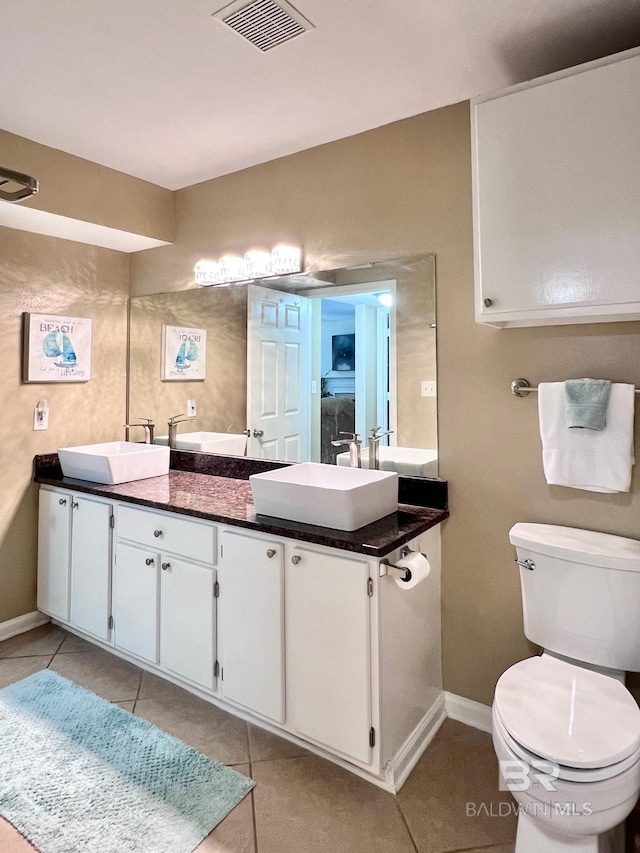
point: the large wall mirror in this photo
(293, 362)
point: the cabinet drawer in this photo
(168, 532)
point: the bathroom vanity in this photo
(295, 628)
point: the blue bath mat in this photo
(80, 775)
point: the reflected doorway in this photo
(353, 364)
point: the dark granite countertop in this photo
(229, 501)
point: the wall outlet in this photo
(40, 418)
(314, 386)
(191, 408)
(428, 389)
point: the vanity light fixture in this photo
(282, 260)
(385, 299)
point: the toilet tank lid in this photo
(578, 546)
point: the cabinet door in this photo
(557, 198)
(91, 566)
(329, 650)
(135, 601)
(187, 613)
(250, 624)
(54, 540)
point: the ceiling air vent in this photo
(264, 23)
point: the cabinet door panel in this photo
(250, 624)
(187, 627)
(54, 539)
(91, 566)
(556, 176)
(329, 650)
(135, 604)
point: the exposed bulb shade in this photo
(282, 260)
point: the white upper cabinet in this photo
(556, 185)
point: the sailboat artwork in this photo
(183, 353)
(56, 349)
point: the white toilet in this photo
(565, 728)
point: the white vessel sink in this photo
(409, 461)
(325, 495)
(114, 462)
(227, 443)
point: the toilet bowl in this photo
(566, 730)
(568, 742)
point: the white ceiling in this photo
(162, 90)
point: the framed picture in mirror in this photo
(184, 353)
(343, 349)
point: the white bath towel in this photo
(583, 458)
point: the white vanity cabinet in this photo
(329, 652)
(251, 623)
(308, 641)
(74, 559)
(556, 197)
(164, 587)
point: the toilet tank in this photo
(581, 596)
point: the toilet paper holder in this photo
(393, 571)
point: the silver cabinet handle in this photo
(487, 302)
(271, 552)
(149, 561)
(62, 501)
(166, 567)
(74, 504)
(526, 564)
(258, 433)
(295, 559)
(157, 533)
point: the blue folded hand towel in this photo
(586, 402)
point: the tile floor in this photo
(301, 803)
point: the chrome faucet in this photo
(147, 425)
(174, 420)
(374, 443)
(354, 444)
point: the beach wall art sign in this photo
(56, 348)
(184, 353)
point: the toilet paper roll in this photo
(419, 567)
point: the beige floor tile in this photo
(126, 706)
(308, 805)
(111, 677)
(454, 772)
(266, 746)
(44, 640)
(500, 848)
(73, 644)
(11, 841)
(235, 834)
(202, 725)
(152, 687)
(15, 669)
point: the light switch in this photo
(428, 388)
(41, 415)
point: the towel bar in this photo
(522, 388)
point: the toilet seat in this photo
(570, 774)
(556, 711)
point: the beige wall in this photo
(80, 189)
(399, 190)
(46, 275)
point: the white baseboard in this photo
(401, 765)
(21, 624)
(467, 711)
